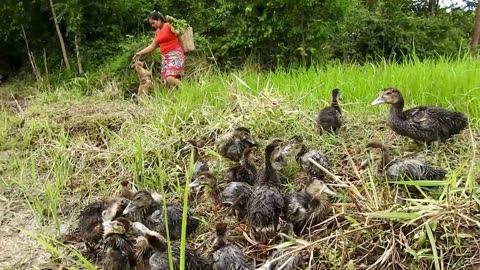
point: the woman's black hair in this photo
(157, 16)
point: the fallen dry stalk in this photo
(342, 183)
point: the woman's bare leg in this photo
(171, 80)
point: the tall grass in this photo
(71, 148)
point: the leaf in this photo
(431, 238)
(420, 183)
(284, 245)
(393, 215)
(350, 265)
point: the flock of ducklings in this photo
(131, 228)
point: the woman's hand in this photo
(168, 18)
(136, 57)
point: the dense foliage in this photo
(269, 33)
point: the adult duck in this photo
(402, 168)
(144, 208)
(227, 256)
(329, 119)
(422, 123)
(266, 203)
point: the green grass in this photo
(68, 149)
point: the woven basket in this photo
(186, 40)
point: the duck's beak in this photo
(286, 149)
(140, 228)
(130, 208)
(107, 226)
(195, 184)
(379, 100)
(251, 141)
(327, 190)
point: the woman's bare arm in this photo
(169, 19)
(150, 48)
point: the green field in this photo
(61, 149)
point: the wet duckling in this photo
(233, 194)
(227, 256)
(90, 224)
(200, 164)
(144, 208)
(286, 262)
(422, 123)
(91, 217)
(157, 249)
(266, 202)
(125, 190)
(232, 144)
(119, 254)
(245, 171)
(304, 154)
(279, 259)
(410, 168)
(329, 119)
(307, 207)
(143, 252)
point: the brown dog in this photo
(144, 77)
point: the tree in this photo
(476, 29)
(60, 37)
(432, 7)
(70, 12)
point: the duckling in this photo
(283, 258)
(304, 154)
(234, 194)
(422, 123)
(232, 144)
(91, 217)
(286, 262)
(144, 208)
(119, 254)
(114, 209)
(157, 247)
(307, 207)
(143, 252)
(200, 164)
(330, 118)
(125, 190)
(246, 171)
(227, 256)
(90, 224)
(266, 203)
(413, 169)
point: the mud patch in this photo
(18, 250)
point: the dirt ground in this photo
(18, 251)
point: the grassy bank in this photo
(61, 149)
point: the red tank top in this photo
(166, 39)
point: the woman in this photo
(173, 57)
